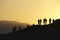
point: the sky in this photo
(29, 11)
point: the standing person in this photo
(39, 22)
(53, 20)
(50, 21)
(45, 21)
(19, 28)
(14, 29)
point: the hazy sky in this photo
(29, 11)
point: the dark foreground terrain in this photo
(46, 32)
(30, 36)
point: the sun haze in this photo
(29, 11)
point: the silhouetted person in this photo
(19, 28)
(45, 21)
(27, 26)
(14, 29)
(53, 20)
(50, 21)
(33, 24)
(39, 22)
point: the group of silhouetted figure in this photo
(52, 27)
(45, 21)
(15, 28)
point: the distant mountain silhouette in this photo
(6, 26)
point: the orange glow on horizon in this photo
(29, 11)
